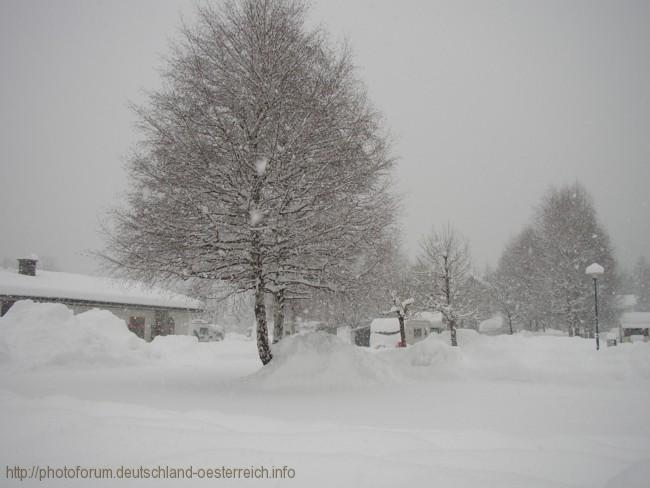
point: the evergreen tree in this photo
(540, 280)
(641, 283)
(572, 238)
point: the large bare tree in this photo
(444, 263)
(261, 164)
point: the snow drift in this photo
(42, 335)
(523, 357)
(320, 361)
(34, 335)
(323, 361)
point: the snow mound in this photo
(634, 476)
(433, 353)
(320, 361)
(173, 346)
(523, 358)
(519, 358)
(38, 335)
(187, 350)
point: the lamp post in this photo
(595, 270)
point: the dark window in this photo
(639, 331)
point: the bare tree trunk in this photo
(402, 332)
(263, 347)
(510, 323)
(292, 317)
(452, 331)
(452, 322)
(278, 316)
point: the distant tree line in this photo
(539, 282)
(540, 279)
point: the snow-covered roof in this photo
(385, 325)
(635, 320)
(70, 286)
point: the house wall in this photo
(379, 339)
(182, 318)
(410, 332)
(425, 326)
(124, 313)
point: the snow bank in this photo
(43, 335)
(432, 356)
(380, 340)
(634, 476)
(173, 346)
(522, 358)
(35, 335)
(187, 350)
(320, 361)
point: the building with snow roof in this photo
(635, 326)
(147, 311)
(384, 332)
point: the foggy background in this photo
(489, 103)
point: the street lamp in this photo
(595, 270)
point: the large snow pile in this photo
(187, 350)
(320, 361)
(34, 335)
(41, 335)
(174, 347)
(519, 357)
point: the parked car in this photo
(206, 332)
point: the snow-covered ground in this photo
(502, 411)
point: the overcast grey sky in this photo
(489, 103)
